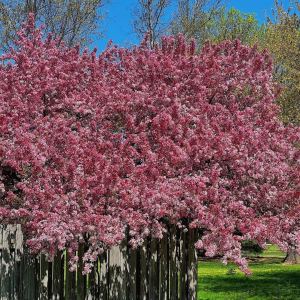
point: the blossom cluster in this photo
(134, 140)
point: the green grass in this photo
(270, 279)
(273, 251)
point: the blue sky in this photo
(117, 25)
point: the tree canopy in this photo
(92, 146)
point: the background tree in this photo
(71, 21)
(233, 24)
(214, 23)
(283, 41)
(149, 16)
(194, 18)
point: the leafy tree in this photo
(217, 24)
(71, 21)
(233, 24)
(194, 18)
(141, 138)
(149, 16)
(251, 247)
(283, 41)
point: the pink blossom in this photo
(91, 146)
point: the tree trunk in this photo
(292, 257)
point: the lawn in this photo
(270, 279)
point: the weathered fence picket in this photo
(173, 262)
(163, 271)
(158, 270)
(153, 270)
(192, 266)
(103, 277)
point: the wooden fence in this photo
(158, 270)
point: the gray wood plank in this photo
(43, 277)
(153, 270)
(103, 282)
(174, 262)
(12, 245)
(163, 273)
(132, 273)
(19, 243)
(17, 265)
(29, 276)
(192, 265)
(7, 282)
(143, 270)
(81, 279)
(125, 270)
(117, 273)
(18, 285)
(183, 266)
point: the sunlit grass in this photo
(270, 279)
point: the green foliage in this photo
(233, 24)
(195, 18)
(282, 39)
(251, 247)
(217, 24)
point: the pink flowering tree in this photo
(133, 140)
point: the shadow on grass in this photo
(263, 284)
